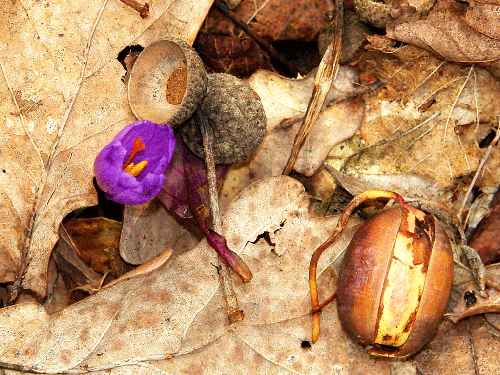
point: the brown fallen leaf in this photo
(69, 260)
(93, 237)
(274, 19)
(237, 41)
(62, 99)
(460, 349)
(180, 307)
(460, 31)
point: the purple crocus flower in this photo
(131, 168)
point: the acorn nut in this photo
(235, 113)
(167, 82)
(395, 279)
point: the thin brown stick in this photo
(142, 9)
(235, 314)
(327, 71)
(478, 172)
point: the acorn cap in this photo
(167, 82)
(234, 110)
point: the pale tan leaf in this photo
(61, 100)
(179, 307)
(445, 148)
(285, 102)
(409, 186)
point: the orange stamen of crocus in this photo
(128, 166)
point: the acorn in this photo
(167, 82)
(395, 278)
(235, 113)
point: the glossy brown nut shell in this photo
(366, 281)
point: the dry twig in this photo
(234, 313)
(327, 71)
(478, 172)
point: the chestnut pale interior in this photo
(395, 280)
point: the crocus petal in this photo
(106, 167)
(154, 147)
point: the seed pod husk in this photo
(394, 281)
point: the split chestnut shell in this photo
(167, 82)
(394, 281)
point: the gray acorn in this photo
(235, 113)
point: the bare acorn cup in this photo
(167, 82)
(394, 280)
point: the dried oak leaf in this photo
(408, 185)
(61, 100)
(460, 31)
(285, 102)
(180, 307)
(394, 130)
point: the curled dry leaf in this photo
(93, 238)
(461, 31)
(285, 102)
(180, 307)
(408, 186)
(472, 303)
(61, 100)
(66, 252)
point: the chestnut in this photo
(394, 280)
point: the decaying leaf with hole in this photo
(472, 303)
(445, 148)
(181, 308)
(62, 99)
